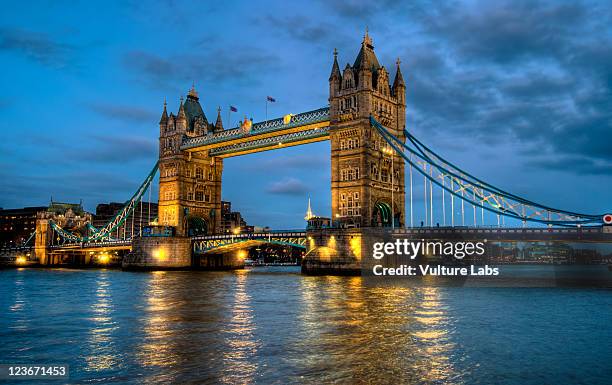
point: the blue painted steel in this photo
(310, 117)
(394, 142)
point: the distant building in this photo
(143, 214)
(318, 222)
(61, 208)
(16, 225)
(315, 221)
(232, 221)
(309, 213)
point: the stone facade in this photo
(158, 253)
(333, 251)
(361, 167)
(70, 217)
(190, 183)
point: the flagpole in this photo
(229, 114)
(266, 108)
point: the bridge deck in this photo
(307, 127)
(583, 234)
(297, 238)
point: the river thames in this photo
(276, 326)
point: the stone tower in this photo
(361, 165)
(189, 183)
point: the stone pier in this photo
(333, 251)
(159, 253)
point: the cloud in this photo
(36, 46)
(310, 30)
(505, 31)
(535, 74)
(123, 112)
(241, 65)
(121, 149)
(93, 186)
(579, 164)
(288, 186)
(358, 9)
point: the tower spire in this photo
(181, 112)
(367, 40)
(219, 122)
(366, 58)
(309, 213)
(164, 117)
(192, 92)
(335, 72)
(399, 79)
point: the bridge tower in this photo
(189, 183)
(362, 169)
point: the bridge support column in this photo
(42, 240)
(159, 253)
(334, 251)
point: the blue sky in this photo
(518, 93)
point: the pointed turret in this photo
(196, 119)
(399, 79)
(335, 72)
(399, 87)
(366, 58)
(180, 121)
(219, 122)
(181, 113)
(164, 117)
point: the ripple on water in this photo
(276, 326)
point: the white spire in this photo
(309, 213)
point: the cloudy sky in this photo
(518, 93)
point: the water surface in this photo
(273, 325)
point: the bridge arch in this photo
(382, 215)
(197, 225)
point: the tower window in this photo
(384, 175)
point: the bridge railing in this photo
(472, 190)
(110, 243)
(265, 234)
(523, 230)
(310, 117)
(267, 142)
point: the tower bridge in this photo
(192, 149)
(371, 150)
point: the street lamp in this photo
(389, 151)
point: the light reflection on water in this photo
(276, 326)
(239, 358)
(101, 344)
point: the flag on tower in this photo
(233, 109)
(271, 99)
